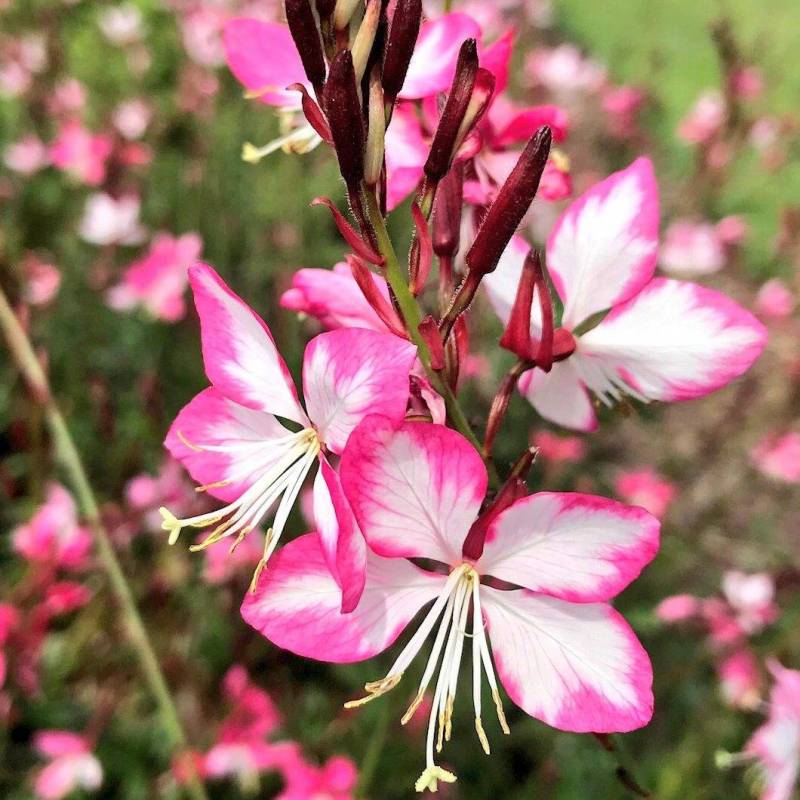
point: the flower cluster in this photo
(408, 508)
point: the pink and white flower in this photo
(158, 281)
(704, 121)
(779, 457)
(645, 488)
(564, 69)
(107, 220)
(26, 156)
(72, 765)
(740, 679)
(131, 118)
(692, 248)
(776, 744)
(43, 280)
(230, 439)
(81, 153)
(662, 339)
(775, 300)
(334, 780)
(562, 653)
(53, 535)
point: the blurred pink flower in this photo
(622, 105)
(740, 679)
(9, 620)
(159, 280)
(81, 153)
(201, 31)
(776, 744)
(731, 230)
(705, 119)
(779, 457)
(224, 563)
(53, 535)
(67, 98)
(646, 488)
(564, 69)
(122, 24)
(107, 220)
(335, 780)
(64, 597)
(678, 608)
(775, 300)
(752, 598)
(132, 117)
(147, 493)
(43, 280)
(559, 449)
(747, 83)
(72, 765)
(692, 248)
(26, 156)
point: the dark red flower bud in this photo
(445, 139)
(421, 255)
(517, 335)
(345, 118)
(512, 201)
(447, 213)
(400, 45)
(313, 113)
(303, 27)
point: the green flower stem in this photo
(412, 315)
(67, 453)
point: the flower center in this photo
(290, 460)
(451, 611)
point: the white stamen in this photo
(285, 476)
(460, 593)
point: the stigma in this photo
(461, 593)
(290, 460)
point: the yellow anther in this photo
(217, 485)
(375, 689)
(500, 713)
(482, 736)
(429, 780)
(251, 154)
(169, 522)
(415, 703)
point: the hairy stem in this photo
(67, 453)
(412, 316)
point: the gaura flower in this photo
(779, 457)
(72, 765)
(81, 153)
(539, 591)
(645, 488)
(775, 746)
(660, 340)
(230, 439)
(158, 280)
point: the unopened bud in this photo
(343, 12)
(400, 45)
(447, 213)
(303, 27)
(512, 201)
(429, 331)
(517, 335)
(479, 101)
(343, 107)
(444, 141)
(365, 38)
(376, 132)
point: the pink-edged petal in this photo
(518, 125)
(497, 59)
(342, 543)
(297, 604)
(350, 373)
(211, 421)
(603, 248)
(333, 297)
(415, 488)
(434, 60)
(576, 547)
(577, 667)
(673, 341)
(263, 57)
(239, 352)
(560, 396)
